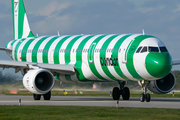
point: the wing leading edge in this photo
(176, 62)
(54, 68)
(6, 49)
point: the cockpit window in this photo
(153, 49)
(163, 49)
(144, 49)
(138, 50)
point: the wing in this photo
(54, 68)
(176, 62)
(6, 49)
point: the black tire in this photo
(142, 97)
(126, 93)
(148, 97)
(47, 96)
(116, 93)
(36, 97)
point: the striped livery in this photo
(88, 58)
(21, 25)
(98, 58)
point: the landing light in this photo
(142, 82)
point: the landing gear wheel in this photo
(116, 93)
(125, 93)
(148, 97)
(142, 97)
(145, 96)
(47, 96)
(36, 97)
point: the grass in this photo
(85, 113)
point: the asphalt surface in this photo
(90, 101)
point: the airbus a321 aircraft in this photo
(88, 58)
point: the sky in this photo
(160, 18)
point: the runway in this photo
(90, 101)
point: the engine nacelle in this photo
(38, 81)
(164, 85)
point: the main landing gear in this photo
(144, 96)
(124, 91)
(46, 96)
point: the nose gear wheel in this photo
(145, 96)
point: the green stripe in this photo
(47, 46)
(57, 48)
(57, 77)
(13, 42)
(17, 47)
(13, 17)
(116, 55)
(130, 55)
(92, 65)
(36, 47)
(159, 64)
(21, 19)
(68, 77)
(6, 45)
(127, 49)
(26, 46)
(67, 54)
(103, 55)
(31, 34)
(79, 59)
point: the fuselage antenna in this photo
(143, 31)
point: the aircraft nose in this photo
(158, 64)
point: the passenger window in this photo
(119, 50)
(153, 49)
(163, 49)
(144, 49)
(138, 50)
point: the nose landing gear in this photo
(145, 96)
(124, 91)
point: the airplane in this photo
(88, 58)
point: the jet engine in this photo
(164, 85)
(38, 81)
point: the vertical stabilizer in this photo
(20, 21)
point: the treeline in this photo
(9, 78)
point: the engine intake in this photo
(38, 81)
(164, 85)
